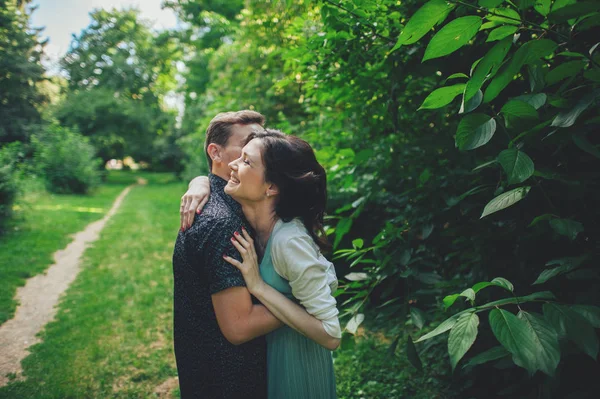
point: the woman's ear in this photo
(214, 152)
(272, 190)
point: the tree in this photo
(20, 71)
(119, 73)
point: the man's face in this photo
(237, 140)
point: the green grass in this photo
(370, 370)
(42, 224)
(112, 336)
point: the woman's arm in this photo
(283, 308)
(194, 200)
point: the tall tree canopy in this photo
(119, 73)
(20, 71)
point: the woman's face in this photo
(247, 178)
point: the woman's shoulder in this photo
(284, 232)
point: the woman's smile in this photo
(233, 179)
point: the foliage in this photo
(498, 163)
(119, 75)
(20, 71)
(370, 370)
(66, 160)
(8, 191)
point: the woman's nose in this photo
(233, 164)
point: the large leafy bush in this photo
(66, 159)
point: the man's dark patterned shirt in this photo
(208, 365)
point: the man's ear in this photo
(214, 152)
(272, 190)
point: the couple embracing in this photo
(254, 312)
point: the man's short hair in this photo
(219, 128)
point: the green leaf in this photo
(485, 165)
(546, 216)
(535, 100)
(498, 282)
(487, 67)
(457, 76)
(517, 165)
(451, 37)
(356, 276)
(516, 337)
(536, 76)
(449, 300)
(566, 227)
(588, 23)
(546, 342)
(462, 336)
(504, 283)
(444, 326)
(490, 3)
(475, 130)
(565, 70)
(518, 113)
(479, 286)
(413, 355)
(561, 3)
(527, 53)
(536, 296)
(472, 104)
(423, 20)
(341, 229)
(354, 322)
(549, 273)
(501, 32)
(592, 74)
(442, 96)
(542, 6)
(469, 294)
(582, 142)
(566, 265)
(489, 355)
(571, 54)
(567, 322)
(573, 11)
(504, 16)
(505, 200)
(590, 313)
(525, 4)
(357, 243)
(568, 118)
(418, 317)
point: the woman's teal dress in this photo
(297, 367)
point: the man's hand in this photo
(194, 200)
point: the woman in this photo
(282, 190)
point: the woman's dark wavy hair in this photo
(291, 165)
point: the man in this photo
(218, 330)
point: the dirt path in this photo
(38, 298)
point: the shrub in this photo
(66, 159)
(9, 156)
(8, 191)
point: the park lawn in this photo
(43, 223)
(112, 336)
